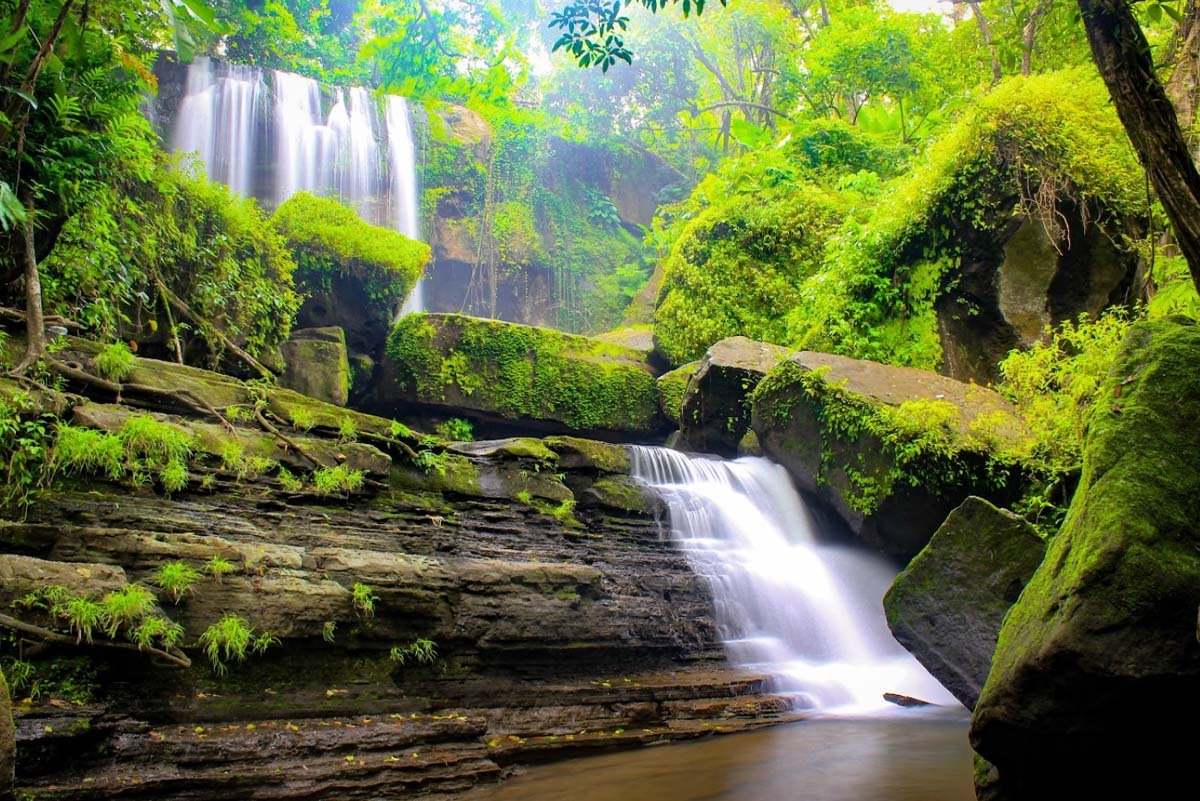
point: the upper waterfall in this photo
(807, 613)
(272, 134)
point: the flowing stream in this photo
(805, 612)
(270, 139)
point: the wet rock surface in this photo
(947, 606)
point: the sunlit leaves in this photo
(593, 30)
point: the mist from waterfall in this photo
(807, 613)
(272, 141)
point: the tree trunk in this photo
(8, 743)
(985, 32)
(1123, 57)
(1184, 86)
(35, 324)
(1030, 35)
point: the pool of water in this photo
(917, 756)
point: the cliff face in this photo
(562, 617)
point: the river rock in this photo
(892, 450)
(714, 413)
(947, 606)
(1099, 655)
(317, 364)
(1008, 291)
(544, 379)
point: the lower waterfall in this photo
(805, 612)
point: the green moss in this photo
(518, 371)
(589, 453)
(622, 492)
(671, 388)
(1032, 146)
(871, 447)
(329, 239)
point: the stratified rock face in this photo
(891, 449)
(947, 606)
(1099, 655)
(1006, 296)
(317, 364)
(538, 377)
(714, 414)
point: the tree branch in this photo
(174, 656)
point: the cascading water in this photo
(271, 143)
(806, 613)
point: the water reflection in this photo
(912, 757)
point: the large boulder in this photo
(947, 606)
(317, 364)
(892, 450)
(714, 415)
(506, 372)
(1099, 655)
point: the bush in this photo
(211, 248)
(115, 362)
(329, 240)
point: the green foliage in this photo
(125, 607)
(1056, 383)
(327, 630)
(341, 480)
(207, 246)
(456, 429)
(288, 480)
(302, 418)
(329, 240)
(25, 441)
(521, 371)
(217, 567)
(232, 639)
(1032, 145)
(347, 430)
(420, 651)
(115, 362)
(70, 679)
(363, 600)
(176, 579)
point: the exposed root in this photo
(174, 656)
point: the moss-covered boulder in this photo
(8, 742)
(891, 449)
(947, 606)
(508, 372)
(356, 274)
(316, 364)
(714, 414)
(1099, 655)
(671, 387)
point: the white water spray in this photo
(806, 613)
(271, 144)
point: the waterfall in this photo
(807, 613)
(272, 143)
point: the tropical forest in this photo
(603, 400)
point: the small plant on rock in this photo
(347, 430)
(327, 631)
(340, 480)
(419, 652)
(232, 639)
(364, 600)
(456, 429)
(176, 579)
(115, 362)
(288, 480)
(302, 418)
(218, 567)
(126, 607)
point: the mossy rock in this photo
(519, 372)
(316, 364)
(671, 388)
(634, 337)
(947, 606)
(891, 449)
(714, 412)
(1100, 652)
(621, 493)
(8, 741)
(576, 453)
